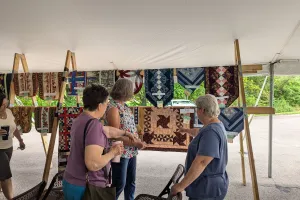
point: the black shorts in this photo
(5, 156)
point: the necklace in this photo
(3, 115)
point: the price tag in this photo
(186, 119)
(160, 104)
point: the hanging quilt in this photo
(223, 83)
(161, 128)
(23, 117)
(92, 77)
(25, 84)
(135, 76)
(5, 80)
(49, 85)
(77, 82)
(190, 78)
(44, 117)
(232, 118)
(159, 86)
(65, 119)
(107, 79)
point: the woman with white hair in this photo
(206, 177)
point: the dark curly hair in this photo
(93, 95)
(2, 97)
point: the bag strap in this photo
(107, 176)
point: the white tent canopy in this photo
(140, 34)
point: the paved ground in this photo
(155, 168)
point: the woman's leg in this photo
(5, 172)
(119, 173)
(7, 188)
(130, 181)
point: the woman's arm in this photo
(112, 132)
(94, 160)
(197, 167)
(193, 132)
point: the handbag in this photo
(94, 192)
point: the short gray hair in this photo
(210, 105)
(122, 90)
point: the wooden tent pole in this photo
(242, 152)
(247, 129)
(55, 122)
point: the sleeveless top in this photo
(126, 123)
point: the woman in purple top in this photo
(89, 156)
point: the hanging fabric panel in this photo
(135, 76)
(5, 81)
(92, 77)
(77, 82)
(25, 84)
(223, 83)
(159, 86)
(107, 79)
(49, 85)
(23, 117)
(44, 117)
(190, 78)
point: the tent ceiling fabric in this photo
(140, 34)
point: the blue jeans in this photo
(72, 192)
(123, 177)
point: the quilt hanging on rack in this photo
(222, 82)
(190, 78)
(5, 80)
(92, 77)
(161, 126)
(23, 117)
(159, 86)
(107, 79)
(65, 119)
(49, 85)
(232, 118)
(44, 117)
(77, 82)
(135, 76)
(25, 84)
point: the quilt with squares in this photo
(49, 85)
(107, 79)
(161, 128)
(232, 118)
(223, 83)
(77, 82)
(92, 77)
(44, 117)
(23, 117)
(25, 84)
(134, 75)
(159, 86)
(190, 78)
(65, 119)
(5, 80)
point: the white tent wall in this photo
(142, 34)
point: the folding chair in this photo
(167, 190)
(33, 194)
(54, 190)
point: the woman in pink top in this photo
(89, 155)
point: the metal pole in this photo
(271, 120)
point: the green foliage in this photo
(286, 94)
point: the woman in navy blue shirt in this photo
(206, 177)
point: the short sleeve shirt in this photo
(213, 182)
(9, 121)
(75, 172)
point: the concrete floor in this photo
(155, 168)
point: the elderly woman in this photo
(7, 131)
(87, 154)
(119, 115)
(206, 177)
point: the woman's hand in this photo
(140, 145)
(3, 132)
(117, 149)
(22, 145)
(130, 136)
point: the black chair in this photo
(33, 194)
(54, 190)
(166, 191)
